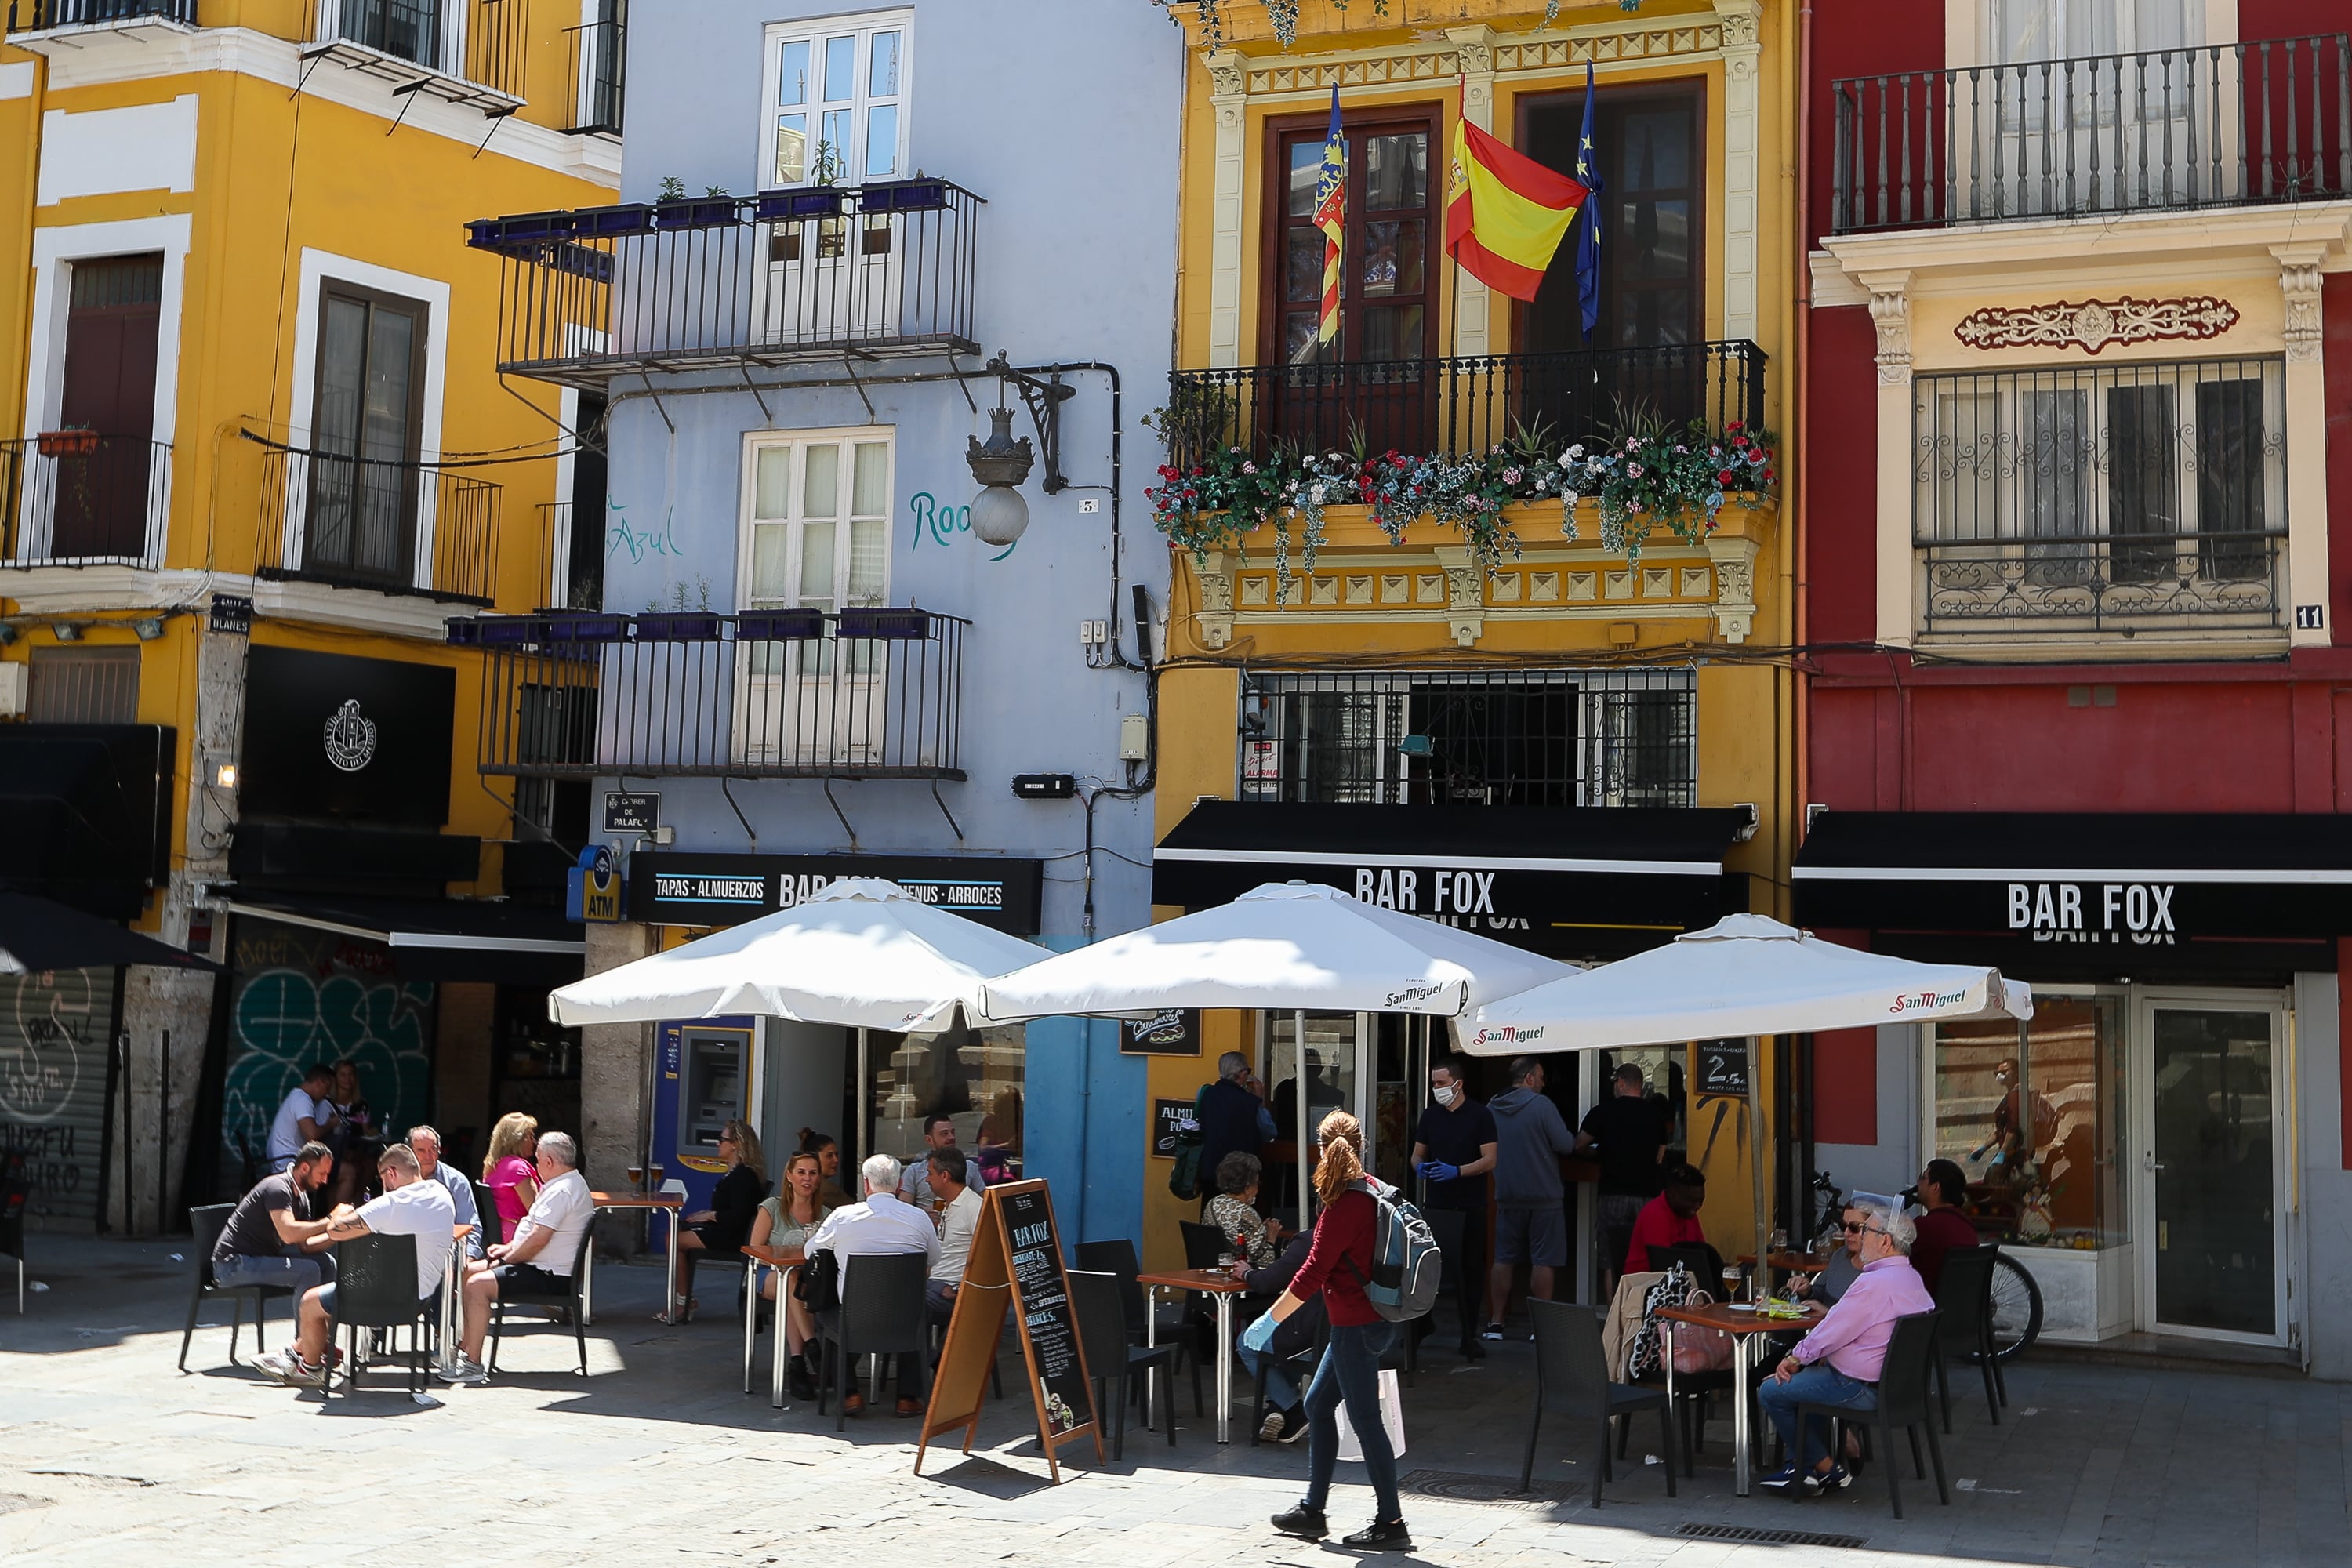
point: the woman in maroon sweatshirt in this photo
(1339, 1267)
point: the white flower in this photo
(1575, 451)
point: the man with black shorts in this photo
(1631, 1136)
(1530, 1221)
(546, 1240)
(1453, 1150)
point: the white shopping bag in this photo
(1391, 1419)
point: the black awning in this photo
(87, 809)
(457, 938)
(39, 934)
(1567, 880)
(2118, 880)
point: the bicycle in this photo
(2016, 1295)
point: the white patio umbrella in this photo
(1746, 974)
(861, 952)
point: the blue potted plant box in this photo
(697, 212)
(911, 626)
(688, 626)
(779, 626)
(902, 196)
(597, 223)
(808, 201)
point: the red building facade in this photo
(2077, 574)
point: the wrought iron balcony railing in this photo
(75, 499)
(791, 693)
(599, 57)
(2216, 125)
(365, 522)
(467, 51)
(2131, 499)
(41, 16)
(1461, 405)
(713, 283)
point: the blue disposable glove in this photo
(1439, 1171)
(1259, 1335)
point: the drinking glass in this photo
(655, 1172)
(636, 1178)
(1779, 1240)
(1731, 1282)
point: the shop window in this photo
(836, 97)
(84, 686)
(2033, 1116)
(974, 1076)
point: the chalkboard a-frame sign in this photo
(1016, 1264)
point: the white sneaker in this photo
(465, 1371)
(280, 1365)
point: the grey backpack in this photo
(1406, 1262)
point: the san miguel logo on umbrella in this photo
(350, 738)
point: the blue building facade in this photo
(844, 238)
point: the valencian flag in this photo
(1587, 236)
(1331, 218)
(1504, 213)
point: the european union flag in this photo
(1588, 233)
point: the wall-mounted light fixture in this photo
(67, 631)
(149, 628)
(225, 776)
(1002, 463)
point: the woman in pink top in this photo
(508, 1170)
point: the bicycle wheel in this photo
(2016, 1307)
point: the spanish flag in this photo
(1504, 213)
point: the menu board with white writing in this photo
(1041, 1294)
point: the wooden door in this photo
(102, 500)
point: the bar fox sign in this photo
(2115, 912)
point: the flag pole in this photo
(1454, 272)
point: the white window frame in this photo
(1973, 33)
(848, 438)
(862, 26)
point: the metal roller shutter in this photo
(56, 1030)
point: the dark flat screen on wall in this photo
(329, 734)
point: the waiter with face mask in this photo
(1453, 1150)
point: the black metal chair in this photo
(1112, 1361)
(208, 1222)
(1572, 1380)
(15, 1197)
(1902, 1402)
(1964, 1326)
(1117, 1258)
(568, 1294)
(486, 1203)
(882, 1313)
(1698, 1259)
(375, 1288)
(1204, 1244)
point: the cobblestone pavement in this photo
(108, 1455)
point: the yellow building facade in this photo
(1577, 743)
(258, 447)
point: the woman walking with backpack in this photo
(1339, 1267)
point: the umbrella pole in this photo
(1762, 1282)
(857, 1131)
(1298, 1102)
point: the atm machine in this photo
(702, 1081)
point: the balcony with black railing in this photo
(2144, 501)
(470, 52)
(1461, 405)
(46, 16)
(2258, 121)
(783, 278)
(397, 527)
(599, 57)
(75, 498)
(789, 693)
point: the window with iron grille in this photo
(2121, 498)
(1548, 737)
(84, 686)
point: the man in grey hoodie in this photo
(1530, 1225)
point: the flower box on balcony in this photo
(910, 625)
(587, 629)
(78, 442)
(779, 626)
(523, 229)
(697, 212)
(796, 206)
(602, 223)
(693, 627)
(902, 196)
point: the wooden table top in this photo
(637, 1200)
(775, 1256)
(1212, 1280)
(1788, 1262)
(1718, 1315)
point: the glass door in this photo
(1336, 1071)
(2213, 1112)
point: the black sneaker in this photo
(1493, 1332)
(1294, 1424)
(1785, 1481)
(1473, 1349)
(1837, 1478)
(1376, 1536)
(1303, 1522)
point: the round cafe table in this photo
(670, 1202)
(786, 1262)
(1220, 1287)
(1749, 1332)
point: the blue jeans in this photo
(1350, 1372)
(1281, 1383)
(1820, 1383)
(293, 1268)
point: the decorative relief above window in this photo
(2093, 324)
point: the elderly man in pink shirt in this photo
(1838, 1364)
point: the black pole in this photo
(164, 1132)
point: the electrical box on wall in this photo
(12, 690)
(1045, 786)
(1134, 738)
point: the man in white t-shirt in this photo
(410, 1205)
(303, 1117)
(545, 1246)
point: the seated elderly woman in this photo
(1234, 1210)
(786, 1221)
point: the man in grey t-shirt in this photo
(263, 1242)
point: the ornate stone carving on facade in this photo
(1228, 74)
(1890, 314)
(1465, 592)
(1738, 18)
(1422, 62)
(1734, 587)
(1214, 570)
(2299, 282)
(2092, 325)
